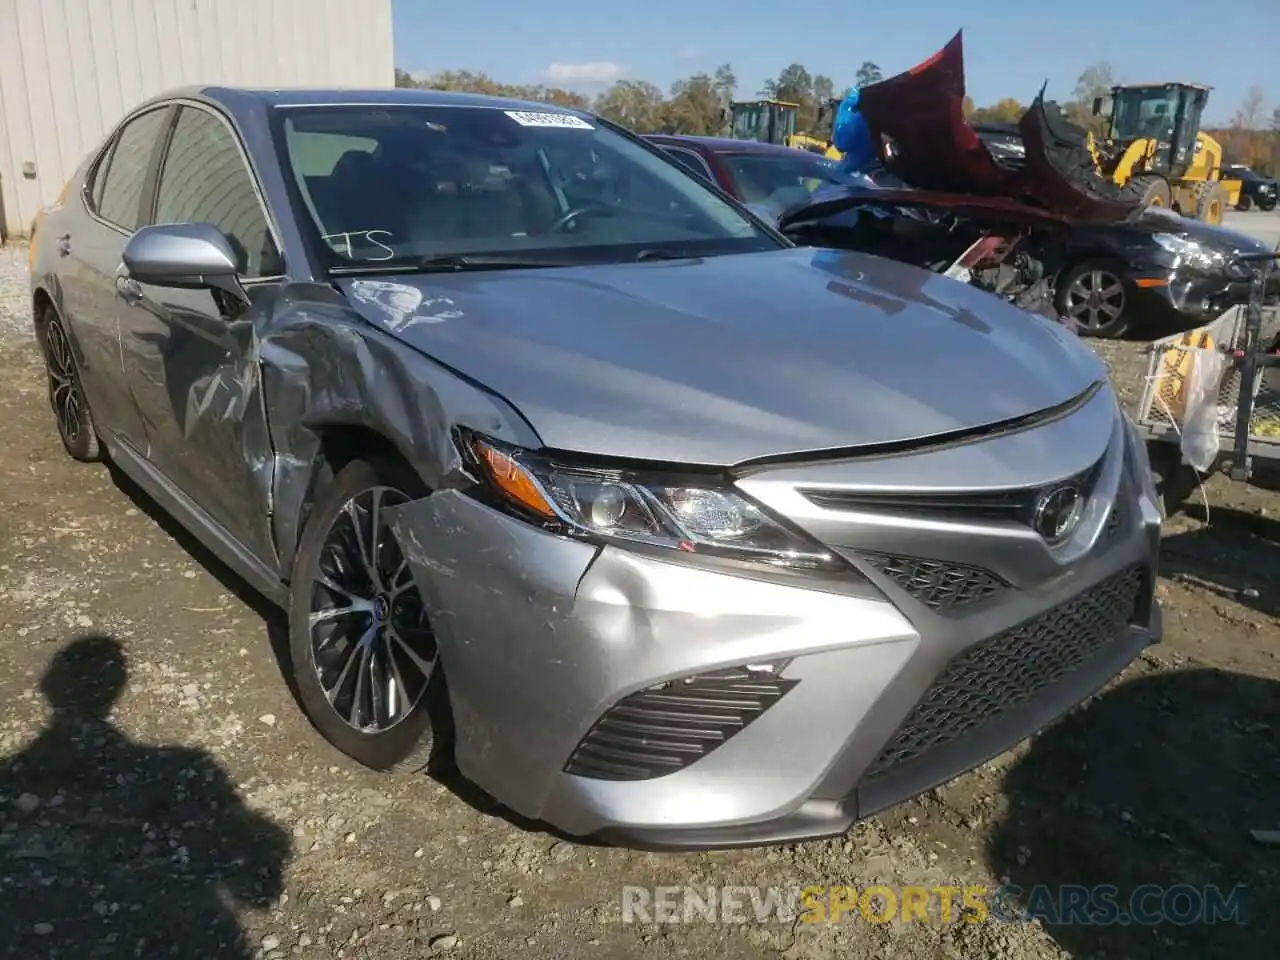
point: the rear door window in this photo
(119, 185)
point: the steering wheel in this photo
(589, 209)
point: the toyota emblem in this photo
(1058, 513)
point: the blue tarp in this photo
(851, 136)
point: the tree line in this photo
(697, 104)
(694, 105)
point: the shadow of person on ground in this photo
(1158, 781)
(113, 848)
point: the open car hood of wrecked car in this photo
(831, 199)
(733, 358)
(920, 115)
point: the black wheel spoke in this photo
(371, 646)
(64, 391)
(424, 667)
(352, 656)
(361, 707)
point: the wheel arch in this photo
(47, 297)
(339, 442)
(332, 397)
(41, 302)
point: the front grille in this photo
(937, 584)
(999, 506)
(1013, 667)
(663, 729)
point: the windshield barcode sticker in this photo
(529, 118)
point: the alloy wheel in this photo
(1095, 299)
(371, 644)
(64, 392)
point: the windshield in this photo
(776, 181)
(395, 185)
(1144, 112)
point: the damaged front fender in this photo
(323, 368)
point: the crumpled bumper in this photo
(542, 636)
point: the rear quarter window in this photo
(119, 196)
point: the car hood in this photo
(732, 358)
(1156, 220)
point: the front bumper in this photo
(1185, 301)
(876, 694)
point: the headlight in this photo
(1191, 252)
(691, 516)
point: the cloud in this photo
(597, 73)
(690, 52)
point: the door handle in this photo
(128, 290)
(64, 245)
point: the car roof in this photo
(248, 99)
(722, 144)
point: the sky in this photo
(1011, 48)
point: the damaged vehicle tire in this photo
(363, 654)
(66, 395)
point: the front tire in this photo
(364, 658)
(66, 393)
(1266, 206)
(1093, 295)
(1151, 189)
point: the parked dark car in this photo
(1255, 189)
(1157, 272)
(661, 527)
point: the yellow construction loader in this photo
(765, 121)
(774, 121)
(1154, 148)
(821, 140)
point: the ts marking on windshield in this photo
(530, 118)
(345, 244)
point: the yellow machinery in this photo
(765, 121)
(774, 121)
(821, 140)
(1155, 148)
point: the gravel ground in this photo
(160, 795)
(15, 314)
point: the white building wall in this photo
(70, 69)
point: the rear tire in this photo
(1211, 203)
(66, 394)
(1244, 203)
(364, 658)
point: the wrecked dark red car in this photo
(1045, 232)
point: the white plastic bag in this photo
(1200, 435)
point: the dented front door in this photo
(193, 355)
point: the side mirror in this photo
(186, 256)
(1102, 106)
